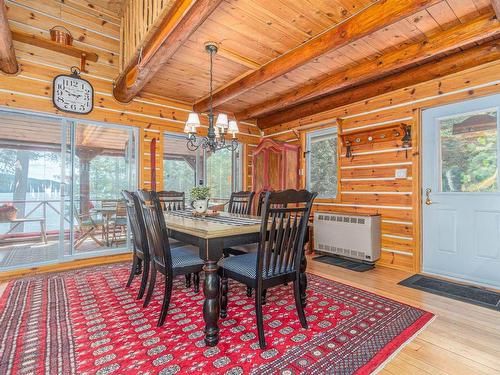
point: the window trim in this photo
(333, 131)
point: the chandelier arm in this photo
(192, 144)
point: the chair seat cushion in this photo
(185, 256)
(245, 265)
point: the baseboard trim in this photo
(56, 267)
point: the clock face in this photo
(72, 94)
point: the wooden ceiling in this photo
(251, 33)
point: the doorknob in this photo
(428, 200)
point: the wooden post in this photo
(8, 62)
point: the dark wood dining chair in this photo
(141, 257)
(169, 262)
(284, 223)
(239, 203)
(172, 200)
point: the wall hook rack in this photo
(394, 132)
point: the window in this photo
(183, 169)
(469, 152)
(223, 174)
(321, 162)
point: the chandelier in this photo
(217, 133)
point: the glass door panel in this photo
(182, 168)
(220, 175)
(104, 165)
(31, 181)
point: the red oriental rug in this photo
(87, 322)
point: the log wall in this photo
(367, 180)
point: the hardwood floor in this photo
(463, 339)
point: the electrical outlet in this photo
(301, 172)
(401, 173)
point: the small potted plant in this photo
(200, 195)
(8, 212)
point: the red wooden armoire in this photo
(275, 166)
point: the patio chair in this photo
(119, 222)
(87, 228)
(279, 254)
(169, 262)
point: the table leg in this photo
(43, 231)
(211, 306)
(303, 281)
(106, 225)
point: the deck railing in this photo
(46, 210)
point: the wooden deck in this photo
(15, 254)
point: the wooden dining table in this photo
(211, 236)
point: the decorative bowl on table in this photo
(207, 213)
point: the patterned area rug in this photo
(87, 322)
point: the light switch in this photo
(401, 173)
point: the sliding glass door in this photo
(60, 184)
(183, 169)
(104, 165)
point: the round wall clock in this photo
(71, 93)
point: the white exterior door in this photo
(461, 199)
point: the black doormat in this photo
(465, 293)
(344, 263)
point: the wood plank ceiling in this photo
(251, 33)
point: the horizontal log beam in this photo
(179, 24)
(456, 37)
(455, 63)
(8, 62)
(365, 22)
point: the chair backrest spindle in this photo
(172, 200)
(241, 202)
(156, 229)
(285, 218)
(136, 220)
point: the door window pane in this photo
(183, 169)
(104, 166)
(180, 166)
(221, 174)
(322, 163)
(30, 189)
(469, 152)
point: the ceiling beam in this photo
(365, 22)
(184, 19)
(8, 62)
(456, 37)
(438, 68)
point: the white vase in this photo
(200, 205)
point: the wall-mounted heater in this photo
(346, 235)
